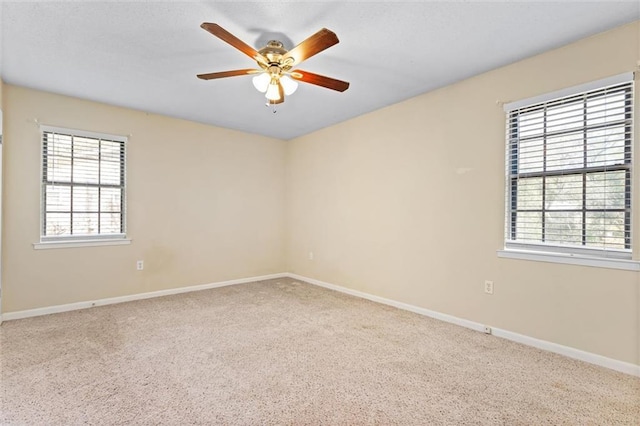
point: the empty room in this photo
(337, 213)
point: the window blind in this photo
(83, 185)
(569, 172)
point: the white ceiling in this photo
(145, 55)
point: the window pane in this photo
(606, 109)
(58, 198)
(109, 173)
(606, 147)
(529, 226)
(563, 227)
(58, 145)
(110, 151)
(563, 192)
(58, 224)
(85, 171)
(529, 192)
(605, 229)
(606, 190)
(565, 117)
(85, 199)
(531, 124)
(85, 223)
(86, 148)
(110, 199)
(530, 156)
(110, 223)
(565, 151)
(58, 169)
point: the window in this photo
(569, 172)
(83, 185)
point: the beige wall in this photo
(407, 203)
(204, 205)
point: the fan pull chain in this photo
(274, 110)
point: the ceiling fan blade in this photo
(313, 45)
(320, 80)
(234, 41)
(222, 74)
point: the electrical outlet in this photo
(488, 287)
(310, 255)
(140, 265)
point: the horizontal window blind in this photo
(569, 169)
(83, 185)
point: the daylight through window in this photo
(83, 185)
(569, 165)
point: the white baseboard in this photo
(613, 364)
(567, 351)
(140, 296)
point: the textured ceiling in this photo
(145, 55)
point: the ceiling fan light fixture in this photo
(277, 77)
(261, 82)
(273, 91)
(289, 85)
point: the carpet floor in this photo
(286, 352)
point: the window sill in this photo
(80, 243)
(570, 259)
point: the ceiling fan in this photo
(276, 76)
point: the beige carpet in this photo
(285, 352)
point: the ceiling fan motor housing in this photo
(274, 51)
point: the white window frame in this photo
(609, 258)
(69, 241)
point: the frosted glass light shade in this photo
(289, 85)
(273, 92)
(261, 82)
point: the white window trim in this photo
(592, 85)
(612, 259)
(570, 259)
(84, 133)
(569, 249)
(82, 241)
